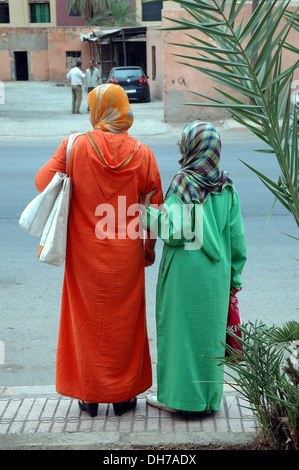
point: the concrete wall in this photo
(156, 77)
(32, 40)
(180, 80)
(63, 18)
(46, 51)
(5, 72)
(154, 39)
(138, 5)
(61, 40)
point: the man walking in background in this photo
(93, 78)
(76, 76)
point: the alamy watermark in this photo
(2, 93)
(167, 222)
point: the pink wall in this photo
(5, 65)
(4, 57)
(180, 80)
(40, 65)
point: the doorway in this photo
(21, 65)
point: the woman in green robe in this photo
(203, 257)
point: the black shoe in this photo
(123, 406)
(90, 408)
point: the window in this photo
(4, 12)
(151, 11)
(40, 13)
(127, 73)
(74, 12)
(71, 58)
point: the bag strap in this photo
(71, 140)
(102, 159)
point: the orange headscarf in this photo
(110, 109)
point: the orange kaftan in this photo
(103, 350)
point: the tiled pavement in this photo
(38, 418)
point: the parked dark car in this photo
(133, 80)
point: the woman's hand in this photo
(235, 290)
(149, 254)
(145, 199)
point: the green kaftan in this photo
(203, 257)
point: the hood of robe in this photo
(215, 216)
(212, 240)
(115, 153)
(111, 146)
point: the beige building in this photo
(39, 40)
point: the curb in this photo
(38, 418)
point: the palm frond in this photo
(288, 332)
(226, 53)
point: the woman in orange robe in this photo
(103, 351)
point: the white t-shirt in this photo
(92, 78)
(76, 76)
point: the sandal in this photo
(90, 408)
(153, 401)
(123, 406)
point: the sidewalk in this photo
(37, 109)
(38, 418)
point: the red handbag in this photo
(233, 325)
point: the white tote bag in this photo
(35, 215)
(46, 217)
